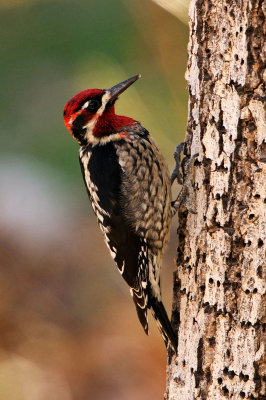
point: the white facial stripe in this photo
(91, 124)
(105, 139)
(85, 105)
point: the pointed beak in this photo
(116, 90)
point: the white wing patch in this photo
(140, 292)
(122, 269)
(93, 190)
(98, 210)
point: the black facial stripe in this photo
(78, 122)
(77, 128)
(79, 135)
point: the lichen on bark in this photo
(219, 287)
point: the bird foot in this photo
(183, 173)
(177, 173)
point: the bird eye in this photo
(91, 105)
(94, 104)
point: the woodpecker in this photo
(129, 187)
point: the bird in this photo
(129, 186)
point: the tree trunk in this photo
(221, 254)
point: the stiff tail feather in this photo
(163, 323)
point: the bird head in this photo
(90, 114)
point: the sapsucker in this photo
(129, 186)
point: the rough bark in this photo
(219, 282)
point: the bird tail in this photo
(163, 323)
(140, 301)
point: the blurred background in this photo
(68, 326)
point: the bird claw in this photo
(177, 171)
(183, 173)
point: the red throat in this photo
(109, 122)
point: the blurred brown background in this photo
(69, 329)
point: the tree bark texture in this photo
(219, 284)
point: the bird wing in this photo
(145, 189)
(102, 174)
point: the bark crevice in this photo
(220, 285)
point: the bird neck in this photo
(109, 122)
